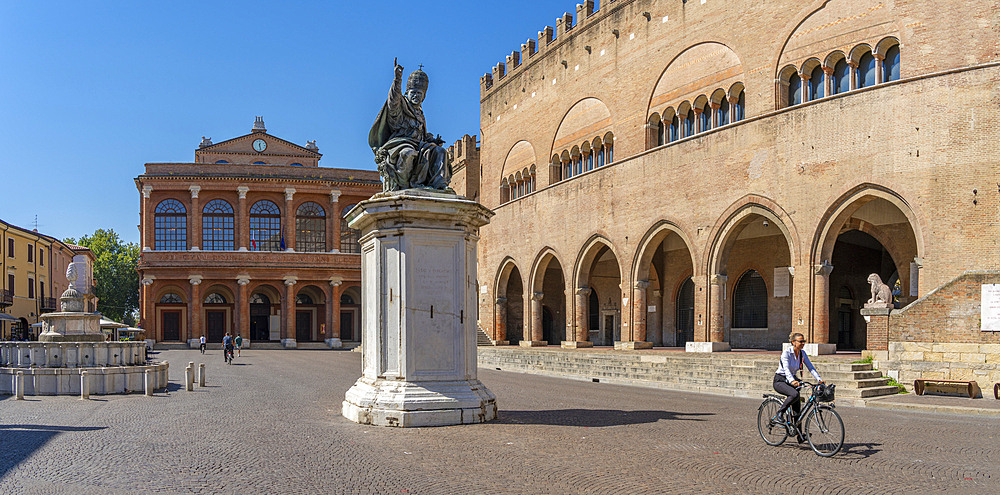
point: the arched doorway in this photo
(217, 307)
(309, 311)
(350, 314)
(260, 313)
(684, 320)
(600, 273)
(549, 289)
(510, 305)
(663, 263)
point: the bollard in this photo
(84, 386)
(201, 374)
(19, 385)
(149, 383)
(189, 378)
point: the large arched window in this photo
(890, 66)
(866, 71)
(217, 226)
(170, 220)
(816, 83)
(794, 89)
(310, 228)
(171, 298)
(841, 82)
(215, 298)
(265, 226)
(750, 301)
(350, 239)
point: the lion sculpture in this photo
(880, 291)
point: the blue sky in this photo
(91, 91)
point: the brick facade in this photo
(896, 174)
(261, 280)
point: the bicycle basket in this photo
(825, 393)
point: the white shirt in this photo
(790, 364)
(202, 339)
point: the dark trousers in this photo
(791, 393)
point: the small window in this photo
(296, 165)
(689, 124)
(739, 109)
(221, 161)
(31, 288)
(259, 163)
(31, 253)
(866, 71)
(10, 248)
(10, 283)
(841, 78)
(794, 90)
(215, 298)
(890, 65)
(816, 83)
(171, 298)
(705, 117)
(722, 114)
(41, 256)
(672, 130)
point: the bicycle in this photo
(823, 429)
(228, 355)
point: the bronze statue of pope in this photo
(407, 155)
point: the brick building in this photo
(719, 174)
(250, 239)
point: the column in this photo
(288, 331)
(194, 222)
(333, 226)
(581, 323)
(536, 322)
(879, 67)
(242, 220)
(289, 218)
(148, 222)
(147, 317)
(654, 322)
(820, 338)
(194, 328)
(806, 88)
(333, 314)
(500, 320)
(242, 309)
(853, 74)
(637, 331)
(715, 320)
(827, 80)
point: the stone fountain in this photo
(71, 342)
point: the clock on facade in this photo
(259, 145)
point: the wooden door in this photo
(215, 325)
(171, 325)
(303, 326)
(346, 325)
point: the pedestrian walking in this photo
(227, 348)
(239, 344)
(202, 344)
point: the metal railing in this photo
(6, 297)
(48, 304)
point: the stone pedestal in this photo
(632, 345)
(533, 343)
(576, 344)
(707, 347)
(335, 343)
(418, 265)
(878, 326)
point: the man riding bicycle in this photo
(227, 347)
(785, 382)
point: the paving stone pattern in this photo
(271, 424)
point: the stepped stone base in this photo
(707, 347)
(533, 343)
(572, 344)
(334, 343)
(288, 343)
(383, 402)
(632, 345)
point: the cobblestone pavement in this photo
(271, 424)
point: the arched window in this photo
(265, 226)
(794, 89)
(259, 299)
(295, 165)
(303, 299)
(589, 161)
(221, 161)
(599, 151)
(722, 114)
(350, 239)
(170, 221)
(609, 152)
(890, 66)
(215, 298)
(739, 109)
(217, 226)
(866, 71)
(841, 78)
(816, 83)
(567, 169)
(171, 298)
(346, 299)
(504, 191)
(750, 301)
(310, 228)
(259, 163)
(689, 124)
(672, 130)
(705, 118)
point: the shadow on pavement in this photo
(593, 417)
(859, 450)
(20, 441)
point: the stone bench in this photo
(918, 385)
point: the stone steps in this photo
(717, 373)
(481, 338)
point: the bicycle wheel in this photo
(825, 431)
(772, 432)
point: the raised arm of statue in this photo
(396, 92)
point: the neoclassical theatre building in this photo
(717, 174)
(250, 239)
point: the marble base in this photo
(402, 404)
(334, 343)
(632, 345)
(533, 343)
(289, 343)
(815, 349)
(573, 344)
(71, 327)
(707, 347)
(66, 381)
(501, 342)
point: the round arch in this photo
(586, 256)
(846, 205)
(652, 238)
(171, 288)
(735, 219)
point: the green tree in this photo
(115, 274)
